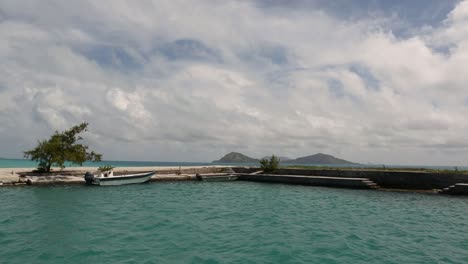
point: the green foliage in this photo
(62, 147)
(106, 168)
(270, 165)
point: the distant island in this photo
(236, 157)
(319, 158)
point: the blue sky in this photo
(415, 12)
(368, 81)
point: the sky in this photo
(371, 81)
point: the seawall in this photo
(384, 178)
(338, 182)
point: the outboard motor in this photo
(199, 177)
(89, 177)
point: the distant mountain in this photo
(281, 158)
(319, 158)
(235, 157)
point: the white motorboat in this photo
(108, 178)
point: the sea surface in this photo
(231, 222)
(23, 163)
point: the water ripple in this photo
(240, 222)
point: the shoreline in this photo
(385, 180)
(13, 176)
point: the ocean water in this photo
(232, 222)
(23, 163)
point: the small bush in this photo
(106, 168)
(270, 165)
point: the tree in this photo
(62, 147)
(270, 165)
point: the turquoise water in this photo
(233, 222)
(22, 163)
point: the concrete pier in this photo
(388, 179)
(340, 182)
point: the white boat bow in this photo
(108, 178)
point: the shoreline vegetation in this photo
(62, 147)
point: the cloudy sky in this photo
(368, 81)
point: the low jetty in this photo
(429, 182)
(338, 182)
(400, 180)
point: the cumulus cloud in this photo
(159, 81)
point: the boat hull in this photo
(123, 179)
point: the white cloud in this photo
(129, 104)
(255, 80)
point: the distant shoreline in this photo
(7, 163)
(24, 163)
